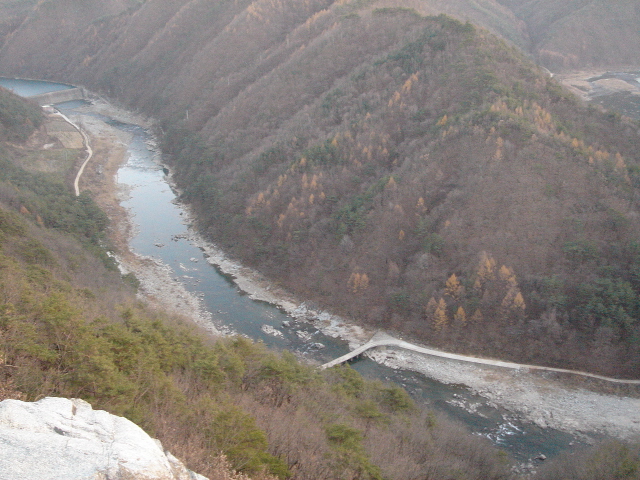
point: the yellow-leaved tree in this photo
(486, 270)
(358, 282)
(440, 319)
(452, 287)
(460, 315)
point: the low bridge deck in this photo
(382, 339)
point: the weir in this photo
(60, 96)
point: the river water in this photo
(162, 232)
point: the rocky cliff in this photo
(58, 438)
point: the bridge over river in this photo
(382, 339)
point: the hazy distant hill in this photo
(561, 34)
(415, 172)
(581, 34)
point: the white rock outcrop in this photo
(58, 438)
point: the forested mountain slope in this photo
(43, 37)
(414, 172)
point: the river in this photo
(162, 232)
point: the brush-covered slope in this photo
(18, 118)
(414, 172)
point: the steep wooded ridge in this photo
(39, 36)
(414, 172)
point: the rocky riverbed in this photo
(157, 282)
(541, 398)
(591, 84)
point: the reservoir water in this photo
(162, 233)
(29, 88)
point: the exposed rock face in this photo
(58, 438)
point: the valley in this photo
(429, 169)
(539, 398)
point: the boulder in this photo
(58, 438)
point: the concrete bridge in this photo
(382, 339)
(60, 96)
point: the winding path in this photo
(382, 339)
(88, 149)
